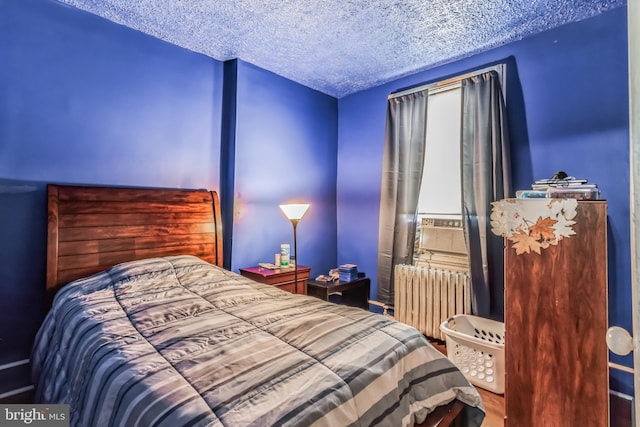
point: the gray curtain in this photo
(402, 162)
(485, 178)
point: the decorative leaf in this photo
(563, 228)
(513, 219)
(564, 208)
(501, 217)
(536, 246)
(524, 243)
(543, 229)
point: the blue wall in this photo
(567, 96)
(286, 150)
(88, 101)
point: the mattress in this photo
(177, 341)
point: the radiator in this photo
(425, 297)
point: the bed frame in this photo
(93, 228)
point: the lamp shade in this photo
(294, 211)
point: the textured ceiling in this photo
(342, 46)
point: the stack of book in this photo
(565, 188)
(348, 272)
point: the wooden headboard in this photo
(93, 228)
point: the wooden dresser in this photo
(555, 327)
(283, 278)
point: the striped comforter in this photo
(179, 342)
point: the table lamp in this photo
(295, 212)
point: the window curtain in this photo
(485, 178)
(402, 162)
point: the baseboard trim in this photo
(15, 382)
(621, 409)
(12, 393)
(14, 364)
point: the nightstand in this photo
(283, 278)
(354, 293)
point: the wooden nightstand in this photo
(354, 293)
(283, 278)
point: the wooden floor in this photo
(494, 407)
(493, 403)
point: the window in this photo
(441, 190)
(439, 235)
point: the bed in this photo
(146, 328)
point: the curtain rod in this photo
(500, 68)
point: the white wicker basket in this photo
(476, 346)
